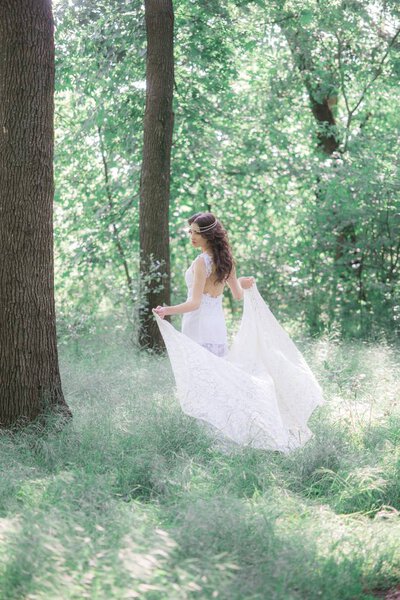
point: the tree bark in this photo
(30, 383)
(155, 175)
(322, 96)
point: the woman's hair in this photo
(217, 238)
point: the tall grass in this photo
(133, 499)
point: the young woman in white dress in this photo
(203, 316)
(260, 392)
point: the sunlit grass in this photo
(133, 499)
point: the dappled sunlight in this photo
(8, 525)
(133, 494)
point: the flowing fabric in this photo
(260, 393)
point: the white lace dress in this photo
(260, 393)
(206, 325)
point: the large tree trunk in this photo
(29, 375)
(155, 176)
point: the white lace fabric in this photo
(206, 325)
(259, 393)
(208, 262)
(217, 349)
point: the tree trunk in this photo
(30, 382)
(114, 228)
(322, 95)
(155, 175)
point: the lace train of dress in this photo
(260, 393)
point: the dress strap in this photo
(208, 262)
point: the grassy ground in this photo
(134, 500)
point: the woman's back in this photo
(212, 287)
(206, 325)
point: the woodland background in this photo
(286, 126)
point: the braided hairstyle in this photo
(217, 238)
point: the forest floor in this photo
(133, 499)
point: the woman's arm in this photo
(199, 282)
(237, 285)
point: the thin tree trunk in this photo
(322, 96)
(29, 374)
(155, 175)
(321, 90)
(115, 230)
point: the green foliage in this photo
(99, 110)
(135, 499)
(320, 233)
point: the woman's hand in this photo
(246, 282)
(161, 311)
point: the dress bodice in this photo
(206, 324)
(189, 278)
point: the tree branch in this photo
(115, 231)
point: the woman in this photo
(259, 393)
(203, 316)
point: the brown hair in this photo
(217, 238)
